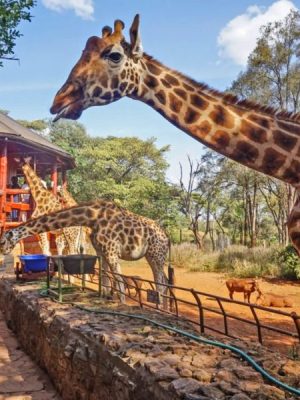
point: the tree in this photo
(12, 12)
(191, 201)
(273, 69)
(272, 78)
(129, 171)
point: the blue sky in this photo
(207, 40)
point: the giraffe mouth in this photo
(72, 110)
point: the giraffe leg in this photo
(60, 244)
(44, 243)
(157, 266)
(294, 225)
(113, 263)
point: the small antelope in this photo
(246, 286)
(273, 300)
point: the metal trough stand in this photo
(77, 264)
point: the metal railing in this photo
(192, 306)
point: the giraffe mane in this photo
(234, 100)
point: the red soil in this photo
(214, 283)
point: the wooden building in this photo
(17, 142)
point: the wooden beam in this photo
(3, 182)
(54, 178)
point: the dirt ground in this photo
(214, 283)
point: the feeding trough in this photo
(32, 266)
(34, 263)
(76, 264)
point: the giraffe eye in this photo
(115, 57)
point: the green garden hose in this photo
(200, 339)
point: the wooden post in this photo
(3, 183)
(64, 178)
(54, 178)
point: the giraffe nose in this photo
(61, 97)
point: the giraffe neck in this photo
(34, 182)
(68, 199)
(81, 215)
(252, 136)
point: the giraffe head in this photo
(106, 71)
(8, 241)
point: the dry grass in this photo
(237, 261)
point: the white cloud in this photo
(82, 8)
(238, 38)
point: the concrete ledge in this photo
(91, 356)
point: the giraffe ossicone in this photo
(256, 136)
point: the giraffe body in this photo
(256, 136)
(116, 234)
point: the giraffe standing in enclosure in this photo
(256, 136)
(116, 234)
(46, 202)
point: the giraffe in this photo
(256, 136)
(116, 234)
(45, 202)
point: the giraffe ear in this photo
(135, 39)
(106, 31)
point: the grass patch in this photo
(238, 261)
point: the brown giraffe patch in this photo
(123, 86)
(245, 152)
(161, 97)
(151, 81)
(285, 141)
(123, 74)
(272, 161)
(204, 128)
(154, 69)
(97, 91)
(114, 82)
(165, 83)
(292, 173)
(181, 93)
(107, 96)
(221, 138)
(222, 117)
(175, 103)
(188, 87)
(254, 133)
(259, 120)
(171, 80)
(199, 102)
(290, 127)
(191, 116)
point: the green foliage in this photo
(38, 125)
(129, 171)
(289, 263)
(273, 70)
(248, 262)
(12, 12)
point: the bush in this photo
(247, 262)
(289, 263)
(187, 255)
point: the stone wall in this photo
(91, 356)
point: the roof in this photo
(13, 130)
